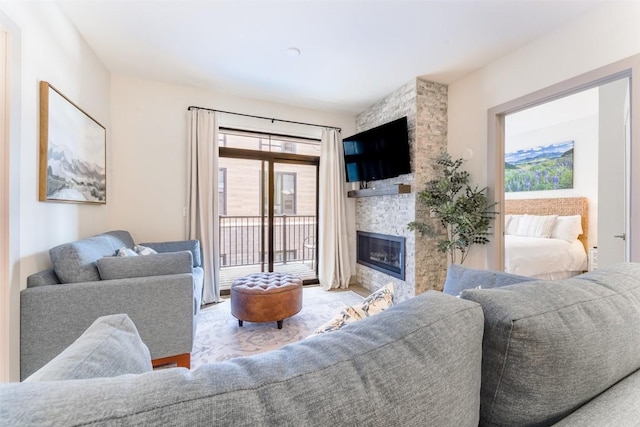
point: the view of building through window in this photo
(243, 189)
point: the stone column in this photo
(425, 105)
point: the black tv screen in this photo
(378, 153)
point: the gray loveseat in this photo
(160, 292)
(539, 353)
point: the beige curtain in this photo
(203, 219)
(334, 268)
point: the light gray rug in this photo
(219, 337)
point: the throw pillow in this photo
(111, 346)
(126, 252)
(461, 278)
(375, 303)
(144, 250)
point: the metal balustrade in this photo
(241, 239)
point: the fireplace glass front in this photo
(382, 252)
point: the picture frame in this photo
(539, 168)
(72, 151)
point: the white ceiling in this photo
(353, 52)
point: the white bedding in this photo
(536, 256)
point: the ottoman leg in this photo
(279, 324)
(240, 322)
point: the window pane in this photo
(265, 142)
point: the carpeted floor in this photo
(220, 338)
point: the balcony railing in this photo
(241, 239)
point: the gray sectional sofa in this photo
(534, 353)
(160, 292)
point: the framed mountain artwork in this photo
(72, 151)
(548, 167)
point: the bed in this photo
(546, 238)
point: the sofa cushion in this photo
(618, 406)
(549, 347)
(43, 278)
(111, 346)
(76, 261)
(460, 278)
(115, 267)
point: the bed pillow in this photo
(511, 224)
(567, 228)
(536, 225)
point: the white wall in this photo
(608, 34)
(146, 146)
(149, 148)
(51, 50)
(574, 118)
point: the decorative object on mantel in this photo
(72, 151)
(464, 211)
(387, 190)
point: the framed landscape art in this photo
(548, 167)
(72, 151)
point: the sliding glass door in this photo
(294, 218)
(267, 206)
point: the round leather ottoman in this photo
(266, 297)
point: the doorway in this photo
(268, 205)
(622, 71)
(571, 147)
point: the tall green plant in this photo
(464, 211)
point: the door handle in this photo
(620, 236)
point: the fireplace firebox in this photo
(382, 252)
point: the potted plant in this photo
(463, 211)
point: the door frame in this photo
(5, 288)
(271, 158)
(630, 68)
(10, 117)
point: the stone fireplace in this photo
(382, 252)
(425, 105)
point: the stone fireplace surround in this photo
(425, 105)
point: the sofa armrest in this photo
(192, 246)
(52, 317)
(159, 264)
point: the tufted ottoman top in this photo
(260, 283)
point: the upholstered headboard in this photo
(557, 206)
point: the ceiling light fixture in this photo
(293, 51)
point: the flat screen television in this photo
(378, 153)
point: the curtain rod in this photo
(264, 118)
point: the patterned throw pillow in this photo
(375, 303)
(122, 252)
(144, 250)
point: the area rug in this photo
(219, 337)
